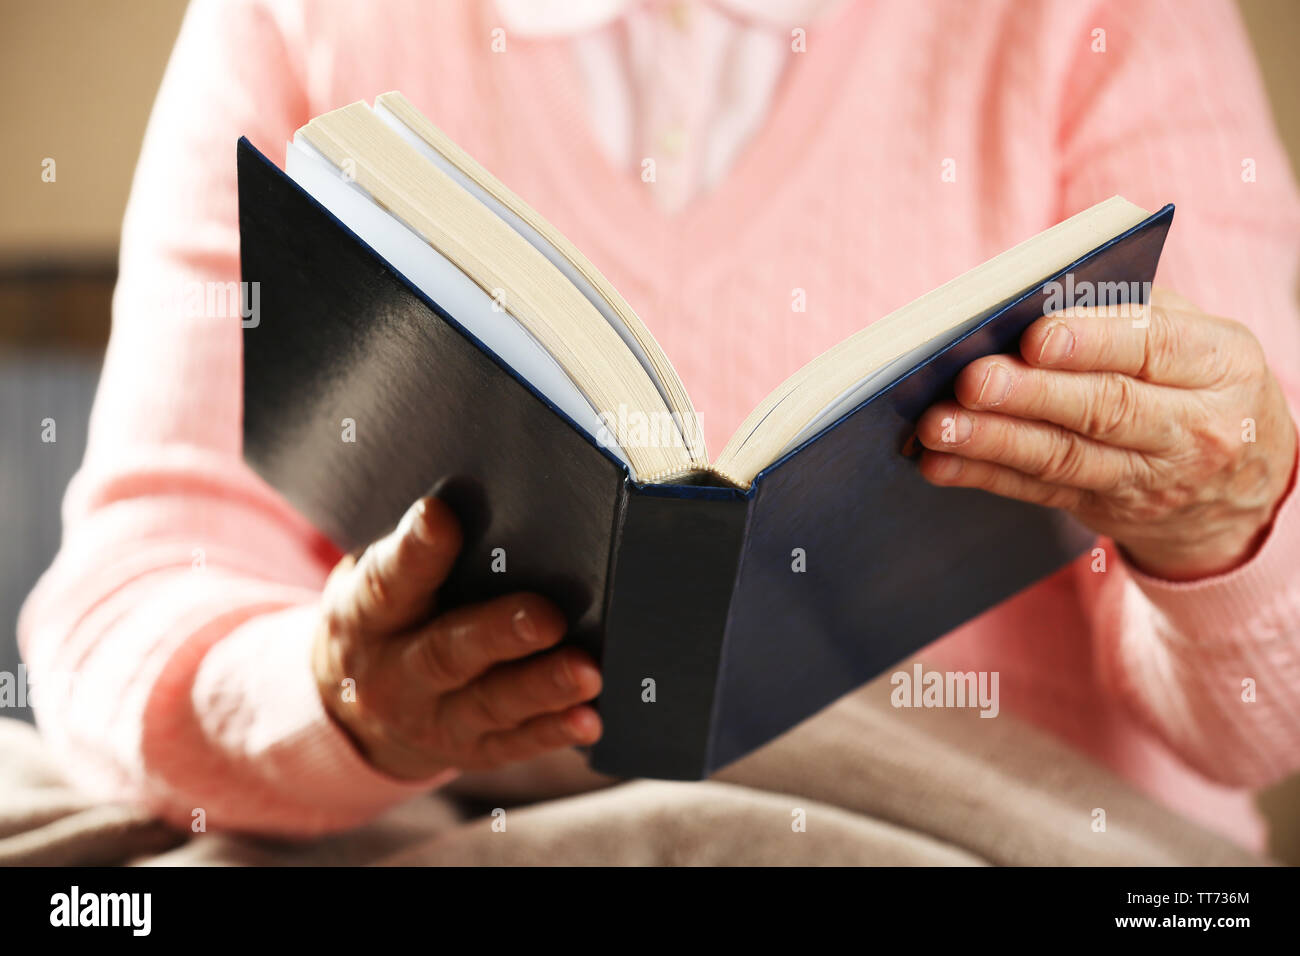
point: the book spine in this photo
(674, 562)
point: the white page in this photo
(879, 379)
(443, 282)
(532, 236)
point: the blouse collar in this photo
(553, 18)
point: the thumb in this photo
(396, 579)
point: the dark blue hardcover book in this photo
(710, 641)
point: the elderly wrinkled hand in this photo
(421, 691)
(1161, 427)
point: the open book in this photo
(475, 351)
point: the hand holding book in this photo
(1162, 428)
(472, 688)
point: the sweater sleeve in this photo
(1172, 111)
(168, 644)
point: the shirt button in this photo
(679, 14)
(673, 142)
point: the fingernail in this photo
(524, 627)
(563, 676)
(997, 383)
(956, 429)
(577, 723)
(1057, 346)
(948, 468)
(420, 522)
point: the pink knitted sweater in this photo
(183, 599)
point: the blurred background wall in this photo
(77, 79)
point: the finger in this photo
(339, 580)
(1171, 300)
(957, 472)
(509, 695)
(577, 727)
(1053, 454)
(1159, 343)
(464, 643)
(1108, 407)
(396, 579)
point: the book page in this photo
(445, 284)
